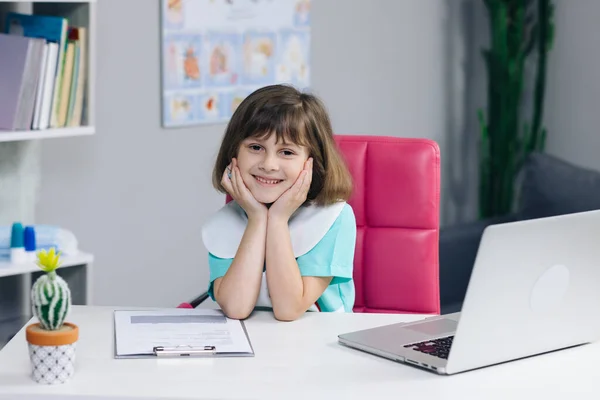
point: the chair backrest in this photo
(396, 203)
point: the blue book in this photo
(51, 28)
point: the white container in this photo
(52, 365)
(52, 353)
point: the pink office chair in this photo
(396, 203)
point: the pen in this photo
(183, 351)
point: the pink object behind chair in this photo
(396, 203)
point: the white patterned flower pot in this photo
(52, 353)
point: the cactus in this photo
(50, 294)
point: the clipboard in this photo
(157, 334)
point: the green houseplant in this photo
(517, 28)
(51, 341)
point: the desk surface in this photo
(293, 360)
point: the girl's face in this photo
(269, 168)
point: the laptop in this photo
(534, 288)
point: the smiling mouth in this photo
(265, 181)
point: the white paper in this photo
(138, 332)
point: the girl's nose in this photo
(269, 163)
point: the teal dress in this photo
(332, 256)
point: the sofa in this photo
(547, 186)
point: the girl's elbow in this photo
(235, 311)
(287, 315)
(238, 313)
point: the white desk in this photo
(293, 360)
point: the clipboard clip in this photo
(184, 351)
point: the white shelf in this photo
(12, 136)
(8, 268)
(77, 270)
(78, 13)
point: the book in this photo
(75, 115)
(19, 80)
(66, 82)
(51, 29)
(39, 94)
(48, 88)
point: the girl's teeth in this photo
(266, 181)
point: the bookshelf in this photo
(80, 13)
(16, 280)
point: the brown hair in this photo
(297, 117)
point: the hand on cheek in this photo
(295, 196)
(233, 182)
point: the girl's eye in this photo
(254, 147)
(288, 152)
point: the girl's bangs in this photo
(288, 125)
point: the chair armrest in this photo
(457, 252)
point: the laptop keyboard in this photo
(437, 347)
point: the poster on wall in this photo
(216, 52)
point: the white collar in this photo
(223, 232)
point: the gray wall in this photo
(136, 195)
(572, 106)
(19, 181)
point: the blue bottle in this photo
(30, 246)
(17, 249)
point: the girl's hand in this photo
(234, 184)
(295, 196)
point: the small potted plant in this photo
(51, 341)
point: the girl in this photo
(287, 239)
